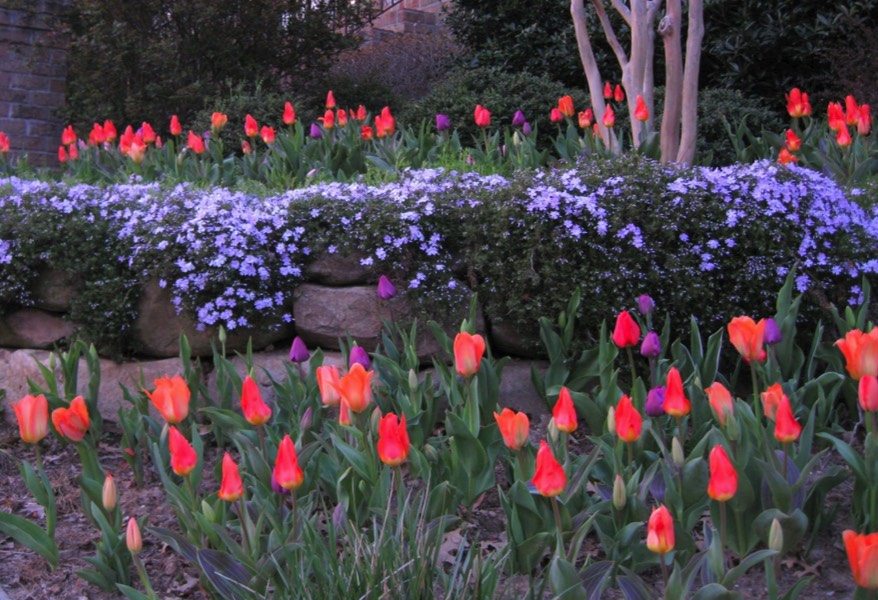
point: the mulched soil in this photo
(25, 576)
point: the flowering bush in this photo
(615, 228)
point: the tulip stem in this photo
(38, 456)
(144, 578)
(722, 530)
(786, 450)
(558, 528)
(633, 367)
(757, 406)
(261, 433)
(243, 517)
(384, 524)
(664, 574)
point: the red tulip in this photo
(555, 116)
(267, 133)
(62, 154)
(255, 410)
(289, 114)
(171, 398)
(344, 413)
(843, 138)
(629, 422)
(109, 131)
(246, 148)
(231, 488)
(797, 104)
(328, 119)
(608, 90)
(468, 351)
(676, 402)
(355, 388)
(385, 123)
(218, 120)
(361, 113)
(641, 113)
(771, 400)
(619, 93)
(330, 100)
(564, 413)
(868, 393)
(860, 351)
(835, 116)
(747, 337)
(68, 136)
(176, 128)
(784, 157)
(721, 402)
(482, 116)
(627, 331)
(862, 551)
(4, 143)
(32, 413)
(786, 428)
(342, 117)
(183, 456)
(565, 105)
(549, 477)
(251, 127)
(195, 143)
(609, 118)
(147, 133)
(660, 531)
(366, 132)
(393, 440)
(287, 471)
(864, 122)
(72, 422)
(514, 427)
(586, 118)
(794, 143)
(723, 477)
(852, 111)
(96, 137)
(74, 152)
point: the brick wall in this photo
(33, 67)
(411, 16)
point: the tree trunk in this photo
(669, 29)
(695, 34)
(592, 72)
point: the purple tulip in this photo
(655, 402)
(442, 123)
(772, 333)
(359, 355)
(299, 351)
(645, 305)
(518, 120)
(316, 132)
(651, 346)
(526, 129)
(386, 290)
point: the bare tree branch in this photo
(623, 10)
(592, 71)
(610, 33)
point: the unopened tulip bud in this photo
(553, 431)
(413, 380)
(375, 418)
(222, 335)
(677, 452)
(431, 454)
(733, 430)
(109, 496)
(775, 536)
(208, 511)
(645, 305)
(307, 419)
(611, 420)
(620, 496)
(132, 536)
(339, 514)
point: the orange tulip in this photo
(255, 410)
(133, 539)
(137, 151)
(565, 105)
(586, 118)
(771, 400)
(676, 402)
(195, 143)
(32, 413)
(482, 116)
(784, 157)
(72, 422)
(327, 380)
(796, 104)
(231, 487)
(514, 427)
(868, 395)
(328, 119)
(549, 477)
(786, 428)
(721, 402)
(860, 351)
(287, 471)
(627, 331)
(251, 127)
(344, 413)
(609, 118)
(641, 113)
(385, 123)
(468, 351)
(747, 337)
(289, 114)
(564, 413)
(171, 398)
(183, 456)
(723, 477)
(355, 388)
(660, 531)
(862, 551)
(794, 142)
(218, 120)
(629, 422)
(176, 128)
(393, 440)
